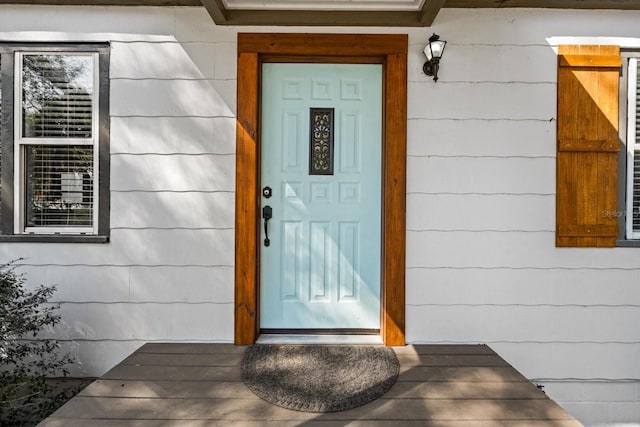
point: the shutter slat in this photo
(587, 146)
(600, 61)
(597, 145)
(586, 230)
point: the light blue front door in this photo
(321, 157)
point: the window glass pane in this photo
(57, 95)
(59, 184)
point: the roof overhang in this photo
(342, 13)
(387, 13)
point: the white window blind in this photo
(57, 142)
(633, 152)
(59, 186)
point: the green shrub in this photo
(26, 359)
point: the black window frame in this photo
(7, 167)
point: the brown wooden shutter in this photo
(588, 145)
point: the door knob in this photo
(267, 213)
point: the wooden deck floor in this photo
(200, 385)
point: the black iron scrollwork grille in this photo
(321, 141)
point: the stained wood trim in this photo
(314, 45)
(394, 200)
(253, 48)
(247, 200)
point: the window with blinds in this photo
(633, 152)
(57, 142)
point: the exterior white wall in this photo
(481, 260)
(167, 274)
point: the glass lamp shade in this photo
(434, 49)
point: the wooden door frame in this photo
(391, 51)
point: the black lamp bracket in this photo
(430, 68)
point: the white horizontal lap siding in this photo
(163, 60)
(530, 27)
(156, 322)
(112, 284)
(523, 286)
(197, 284)
(481, 100)
(515, 323)
(480, 175)
(167, 273)
(480, 137)
(165, 209)
(481, 212)
(84, 22)
(507, 249)
(172, 172)
(560, 363)
(482, 266)
(170, 135)
(176, 97)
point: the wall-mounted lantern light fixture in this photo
(433, 51)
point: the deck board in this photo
(460, 360)
(68, 422)
(199, 384)
(193, 359)
(255, 410)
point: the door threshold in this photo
(318, 339)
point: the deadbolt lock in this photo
(266, 192)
